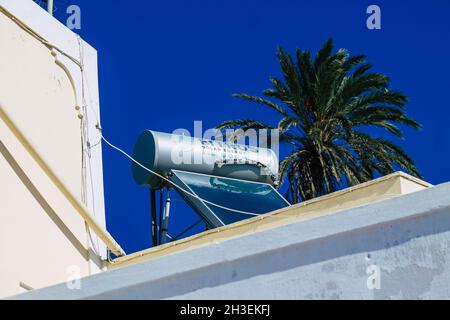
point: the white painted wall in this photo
(41, 235)
(407, 237)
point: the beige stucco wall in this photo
(42, 238)
(39, 96)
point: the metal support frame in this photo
(165, 219)
(159, 225)
(153, 217)
(161, 213)
(192, 226)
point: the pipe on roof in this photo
(101, 232)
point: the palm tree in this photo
(325, 105)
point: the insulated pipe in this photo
(103, 234)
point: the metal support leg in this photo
(153, 217)
(165, 220)
(161, 214)
(182, 233)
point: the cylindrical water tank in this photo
(162, 152)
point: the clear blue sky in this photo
(164, 64)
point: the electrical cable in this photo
(171, 182)
(81, 66)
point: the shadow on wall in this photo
(44, 204)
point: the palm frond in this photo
(324, 103)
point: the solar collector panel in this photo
(242, 195)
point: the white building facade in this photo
(49, 94)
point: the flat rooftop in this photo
(383, 188)
(327, 248)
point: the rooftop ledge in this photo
(383, 188)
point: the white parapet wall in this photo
(397, 248)
(43, 240)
